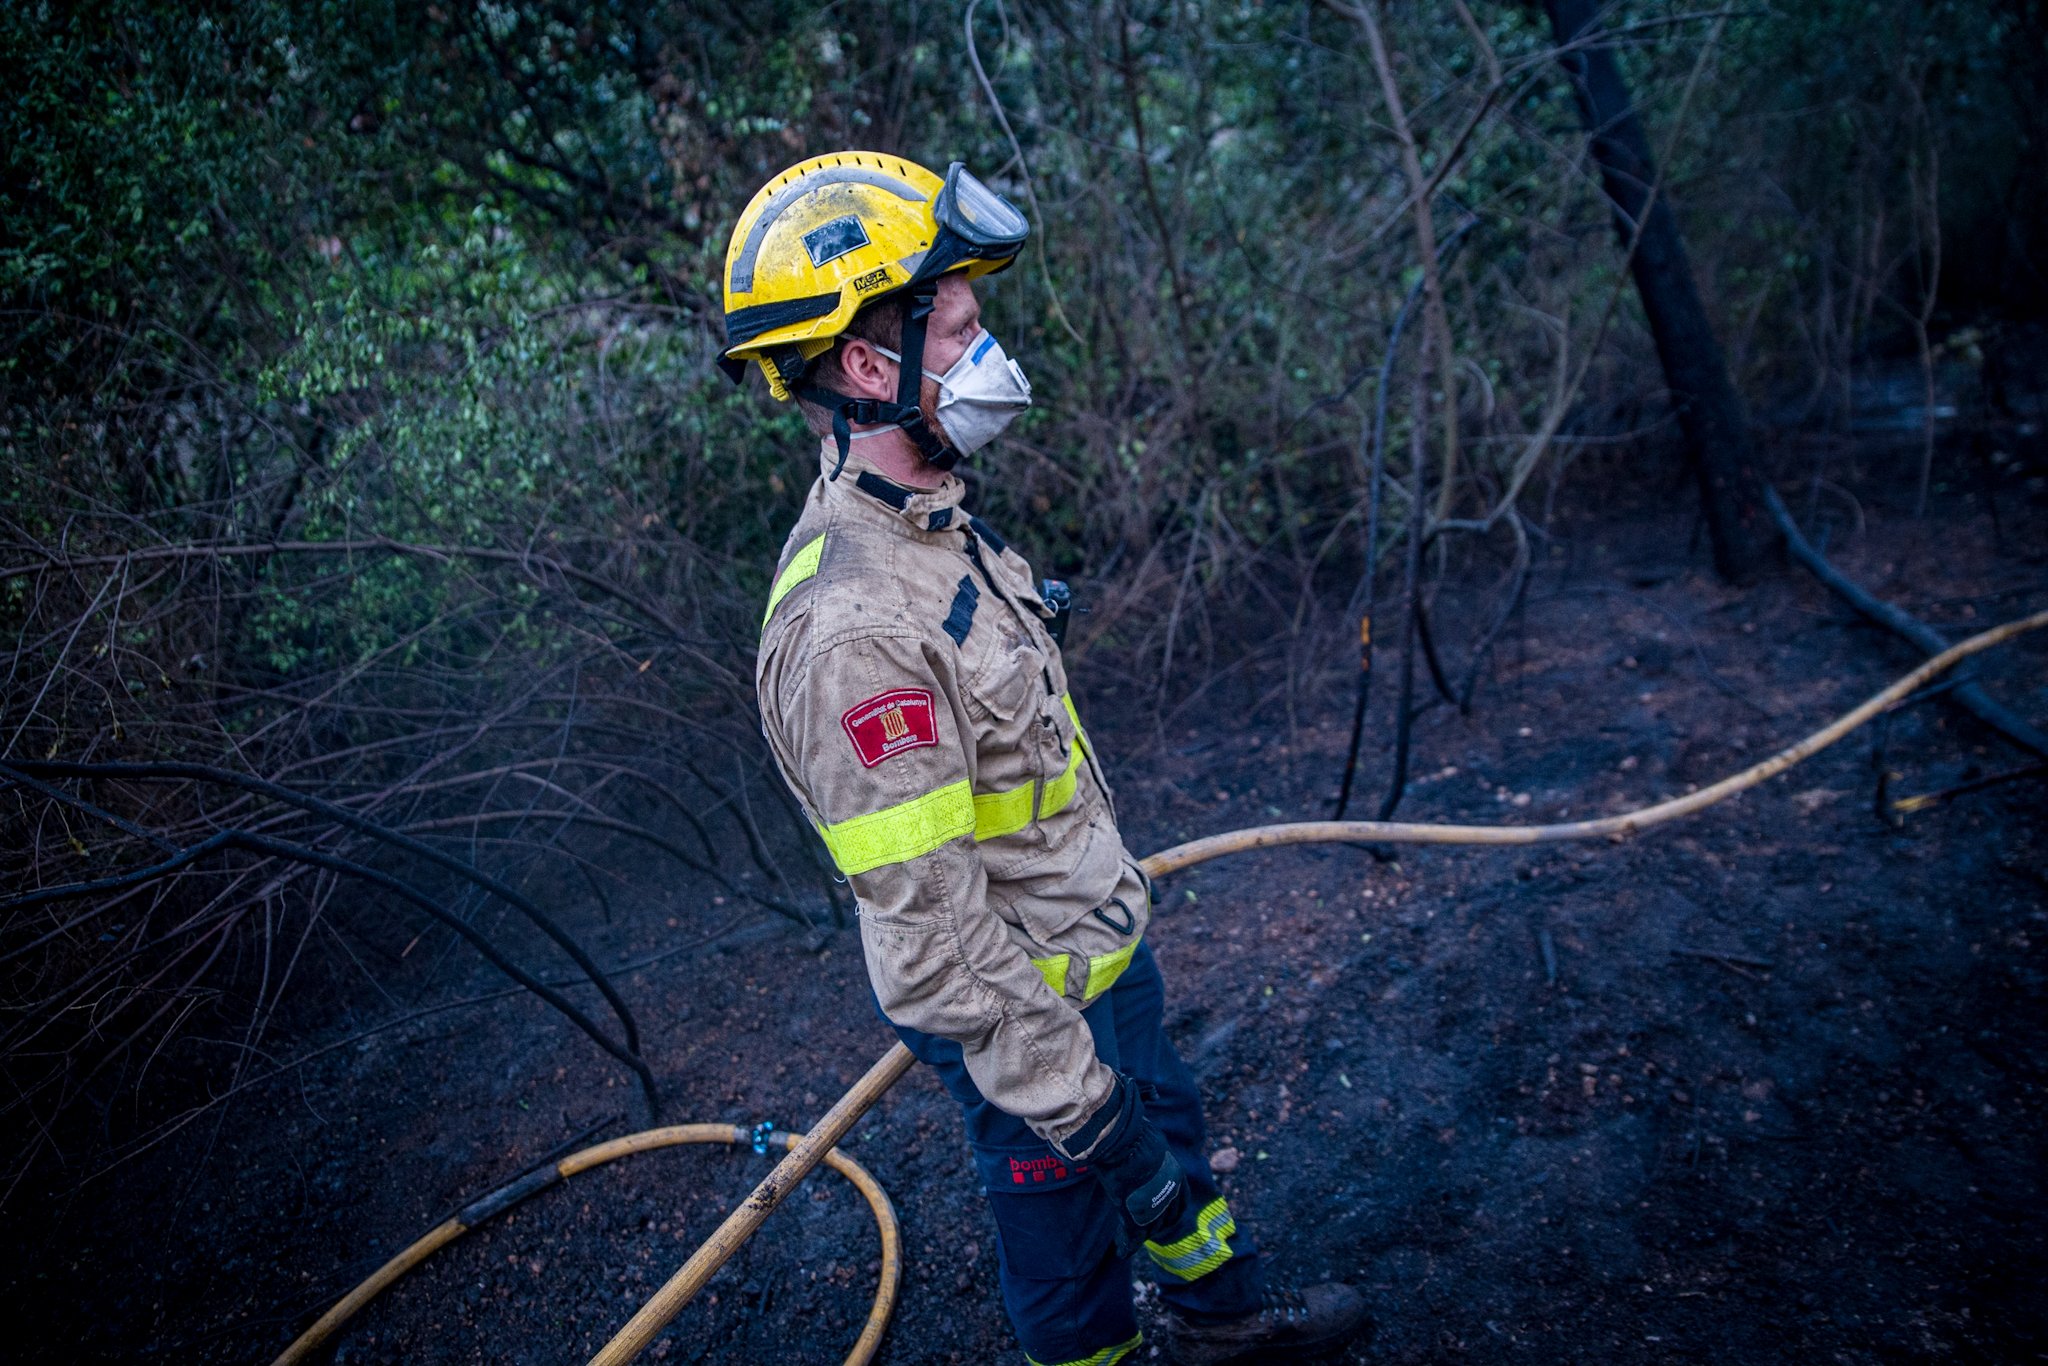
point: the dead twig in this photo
(1969, 696)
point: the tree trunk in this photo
(1709, 411)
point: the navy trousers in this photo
(1067, 1292)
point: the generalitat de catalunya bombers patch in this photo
(889, 723)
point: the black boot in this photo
(1292, 1325)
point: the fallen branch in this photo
(1969, 696)
(1907, 805)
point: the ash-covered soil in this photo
(1764, 1086)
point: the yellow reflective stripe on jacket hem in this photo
(1054, 970)
(1201, 1252)
(1108, 1356)
(897, 834)
(1103, 971)
(1002, 813)
(802, 565)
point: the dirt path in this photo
(1765, 1086)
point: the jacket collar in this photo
(863, 487)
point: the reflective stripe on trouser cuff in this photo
(1202, 1251)
(897, 834)
(802, 565)
(1108, 1356)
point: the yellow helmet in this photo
(836, 232)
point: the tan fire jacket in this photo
(919, 710)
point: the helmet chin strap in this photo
(906, 412)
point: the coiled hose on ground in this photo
(807, 1150)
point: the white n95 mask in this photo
(980, 395)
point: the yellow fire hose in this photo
(805, 1152)
(647, 1140)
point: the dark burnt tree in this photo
(1710, 412)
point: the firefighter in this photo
(912, 690)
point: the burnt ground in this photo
(1511, 1093)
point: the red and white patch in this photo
(889, 723)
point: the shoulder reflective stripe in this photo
(897, 834)
(802, 565)
(1002, 813)
(1105, 969)
(1054, 970)
(1108, 1356)
(1202, 1251)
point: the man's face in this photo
(955, 322)
(953, 326)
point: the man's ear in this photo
(869, 374)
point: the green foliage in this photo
(450, 273)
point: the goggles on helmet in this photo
(975, 224)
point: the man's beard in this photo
(928, 404)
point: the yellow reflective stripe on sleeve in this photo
(1201, 1252)
(897, 834)
(1002, 813)
(1103, 971)
(1054, 970)
(802, 565)
(1108, 1356)
(1075, 717)
(1060, 790)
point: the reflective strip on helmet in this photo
(1054, 970)
(897, 834)
(1108, 1356)
(1104, 970)
(802, 565)
(1202, 1251)
(1002, 813)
